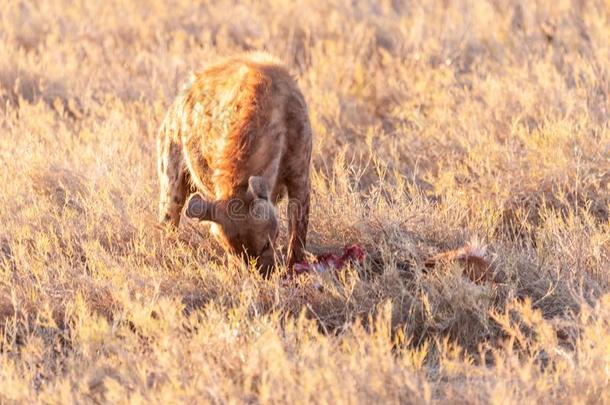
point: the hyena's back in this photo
(243, 117)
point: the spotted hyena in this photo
(239, 134)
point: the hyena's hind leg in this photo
(173, 179)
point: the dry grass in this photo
(433, 123)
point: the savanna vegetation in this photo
(434, 123)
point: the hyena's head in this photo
(247, 226)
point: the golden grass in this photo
(433, 123)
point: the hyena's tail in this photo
(472, 255)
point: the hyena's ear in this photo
(257, 187)
(199, 208)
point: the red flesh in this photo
(351, 253)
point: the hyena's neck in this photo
(229, 192)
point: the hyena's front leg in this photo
(298, 219)
(173, 179)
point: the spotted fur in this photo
(240, 120)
